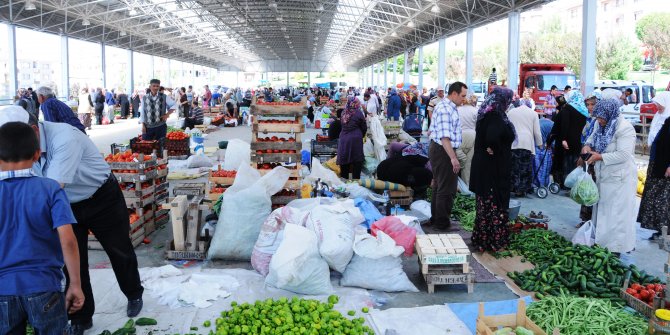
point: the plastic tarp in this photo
(468, 312)
(426, 320)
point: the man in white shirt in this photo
(371, 103)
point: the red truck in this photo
(540, 78)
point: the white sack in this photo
(238, 153)
(326, 175)
(297, 266)
(271, 235)
(379, 139)
(246, 205)
(421, 206)
(377, 265)
(334, 229)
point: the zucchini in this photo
(146, 322)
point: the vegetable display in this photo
(584, 316)
(224, 173)
(125, 157)
(289, 316)
(561, 267)
(464, 211)
(646, 293)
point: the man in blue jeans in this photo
(36, 240)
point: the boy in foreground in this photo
(36, 239)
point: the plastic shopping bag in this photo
(585, 235)
(574, 176)
(403, 235)
(585, 192)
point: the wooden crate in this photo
(273, 158)
(135, 202)
(639, 305)
(178, 211)
(136, 239)
(135, 177)
(140, 165)
(442, 249)
(285, 145)
(192, 189)
(487, 325)
(402, 198)
(298, 109)
(295, 173)
(138, 193)
(197, 255)
(266, 128)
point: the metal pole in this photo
(395, 70)
(405, 74)
(420, 68)
(65, 66)
(103, 63)
(11, 62)
(386, 65)
(287, 82)
(588, 70)
(513, 50)
(131, 72)
(372, 75)
(309, 79)
(469, 56)
(151, 66)
(441, 61)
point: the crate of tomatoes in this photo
(645, 299)
(177, 141)
(146, 147)
(222, 177)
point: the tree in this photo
(654, 31)
(616, 58)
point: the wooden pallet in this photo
(449, 277)
(442, 249)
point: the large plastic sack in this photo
(377, 265)
(297, 266)
(332, 165)
(246, 205)
(574, 176)
(585, 192)
(585, 235)
(324, 174)
(308, 204)
(199, 160)
(334, 228)
(358, 191)
(238, 153)
(421, 206)
(403, 235)
(271, 236)
(369, 211)
(376, 131)
(412, 222)
(370, 167)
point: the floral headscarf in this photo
(353, 107)
(594, 95)
(608, 110)
(498, 101)
(576, 100)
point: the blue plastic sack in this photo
(369, 211)
(306, 158)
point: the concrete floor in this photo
(564, 214)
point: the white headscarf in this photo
(663, 99)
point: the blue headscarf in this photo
(608, 110)
(576, 100)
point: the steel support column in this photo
(168, 82)
(386, 65)
(441, 61)
(287, 82)
(588, 70)
(65, 67)
(309, 79)
(153, 70)
(103, 63)
(513, 50)
(405, 74)
(395, 71)
(379, 76)
(11, 62)
(372, 75)
(420, 68)
(131, 72)
(468, 56)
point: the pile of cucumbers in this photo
(564, 268)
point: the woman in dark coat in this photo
(135, 100)
(350, 155)
(491, 171)
(573, 118)
(99, 105)
(335, 127)
(124, 102)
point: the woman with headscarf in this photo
(572, 120)
(491, 170)
(393, 106)
(350, 155)
(586, 212)
(612, 148)
(655, 206)
(99, 106)
(527, 126)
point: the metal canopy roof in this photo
(262, 35)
